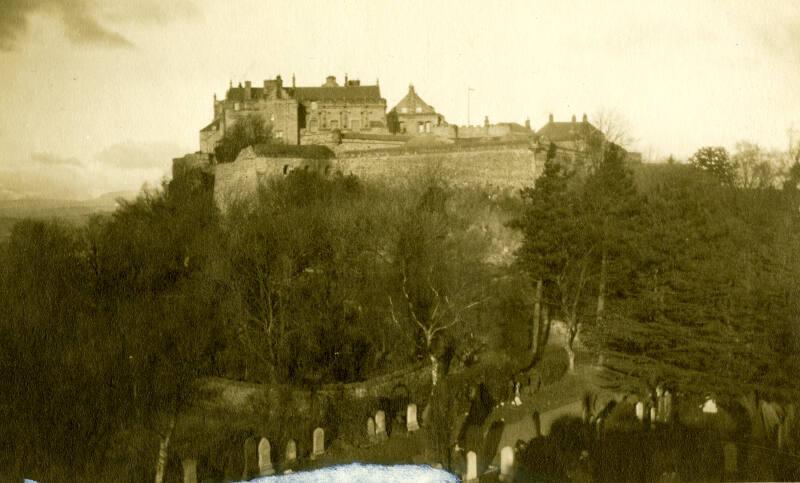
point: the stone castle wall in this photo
(506, 168)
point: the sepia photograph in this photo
(429, 241)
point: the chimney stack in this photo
(550, 118)
(247, 90)
(292, 80)
(573, 119)
(528, 123)
(486, 121)
(585, 118)
(345, 79)
(411, 88)
(278, 86)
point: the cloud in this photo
(85, 21)
(53, 160)
(129, 156)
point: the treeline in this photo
(677, 274)
(316, 280)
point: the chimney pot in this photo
(585, 117)
(573, 118)
(550, 118)
(247, 90)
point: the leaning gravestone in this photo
(265, 458)
(380, 426)
(318, 443)
(371, 429)
(189, 471)
(291, 452)
(506, 463)
(411, 418)
(471, 476)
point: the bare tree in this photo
(614, 126)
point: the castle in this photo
(351, 120)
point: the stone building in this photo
(415, 116)
(573, 135)
(297, 113)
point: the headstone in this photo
(472, 468)
(411, 418)
(667, 416)
(652, 416)
(729, 453)
(710, 406)
(291, 452)
(537, 425)
(506, 463)
(380, 426)
(265, 458)
(371, 429)
(189, 471)
(640, 411)
(318, 443)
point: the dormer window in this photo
(314, 106)
(419, 110)
(403, 110)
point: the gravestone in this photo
(371, 429)
(640, 411)
(250, 458)
(537, 425)
(411, 418)
(265, 458)
(291, 452)
(506, 463)
(471, 476)
(652, 417)
(189, 471)
(667, 416)
(729, 453)
(380, 426)
(318, 443)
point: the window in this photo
(420, 127)
(236, 106)
(334, 124)
(403, 110)
(428, 126)
(285, 168)
(313, 125)
(278, 134)
(419, 110)
(314, 106)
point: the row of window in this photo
(355, 125)
(404, 110)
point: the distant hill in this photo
(71, 211)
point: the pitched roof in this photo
(412, 101)
(568, 131)
(339, 93)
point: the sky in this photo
(100, 95)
